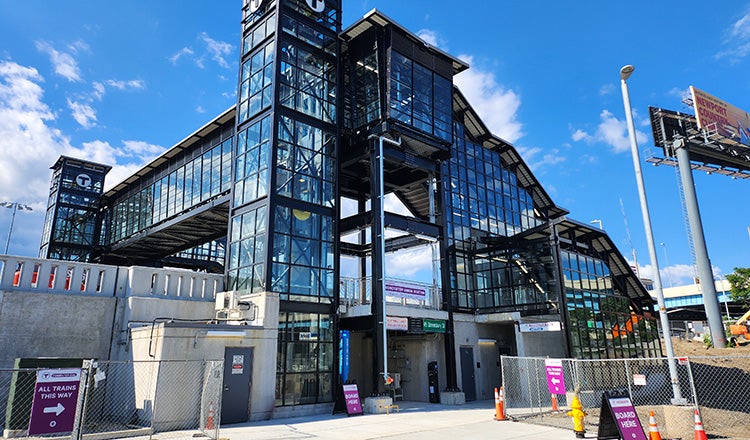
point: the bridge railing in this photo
(57, 276)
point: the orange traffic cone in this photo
(700, 434)
(499, 404)
(210, 418)
(653, 429)
(554, 403)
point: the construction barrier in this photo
(499, 404)
(653, 428)
(700, 433)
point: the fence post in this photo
(77, 433)
(692, 384)
(627, 377)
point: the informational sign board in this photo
(55, 399)
(405, 290)
(351, 396)
(433, 325)
(552, 326)
(618, 418)
(344, 363)
(555, 377)
(396, 323)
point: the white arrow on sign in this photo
(55, 409)
(555, 381)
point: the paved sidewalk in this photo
(414, 421)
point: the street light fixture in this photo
(15, 206)
(625, 73)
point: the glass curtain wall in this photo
(283, 204)
(199, 179)
(484, 198)
(304, 361)
(601, 323)
(420, 98)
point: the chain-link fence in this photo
(718, 387)
(109, 400)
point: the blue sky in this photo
(119, 82)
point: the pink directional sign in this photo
(555, 378)
(55, 399)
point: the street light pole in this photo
(625, 73)
(15, 206)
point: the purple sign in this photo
(55, 400)
(555, 378)
(351, 396)
(626, 418)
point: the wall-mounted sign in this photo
(433, 325)
(308, 336)
(551, 326)
(405, 290)
(238, 364)
(396, 323)
(83, 180)
(254, 4)
(316, 5)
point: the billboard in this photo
(714, 114)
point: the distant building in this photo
(685, 303)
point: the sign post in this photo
(55, 400)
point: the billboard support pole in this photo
(625, 73)
(705, 274)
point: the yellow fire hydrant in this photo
(578, 414)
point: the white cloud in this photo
(24, 129)
(407, 263)
(217, 49)
(100, 88)
(610, 131)
(430, 37)
(580, 135)
(606, 89)
(141, 150)
(736, 40)
(78, 46)
(200, 109)
(133, 84)
(185, 51)
(673, 276)
(496, 105)
(27, 129)
(83, 113)
(64, 64)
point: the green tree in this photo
(740, 285)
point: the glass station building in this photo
(285, 194)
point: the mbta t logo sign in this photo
(316, 5)
(254, 4)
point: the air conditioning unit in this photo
(227, 300)
(230, 307)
